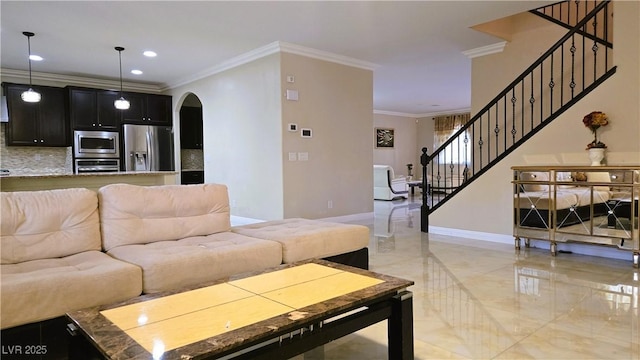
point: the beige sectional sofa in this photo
(69, 249)
(52, 259)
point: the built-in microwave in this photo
(96, 144)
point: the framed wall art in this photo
(384, 138)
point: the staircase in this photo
(575, 65)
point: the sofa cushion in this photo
(194, 260)
(48, 224)
(304, 239)
(131, 214)
(44, 289)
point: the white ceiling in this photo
(416, 45)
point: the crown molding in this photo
(485, 50)
(269, 49)
(242, 59)
(395, 113)
(450, 112)
(424, 115)
(81, 81)
(326, 56)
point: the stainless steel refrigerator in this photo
(148, 148)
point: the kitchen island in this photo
(92, 181)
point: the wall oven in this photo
(84, 166)
(96, 144)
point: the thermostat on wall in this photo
(305, 133)
(292, 127)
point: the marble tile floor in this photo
(481, 300)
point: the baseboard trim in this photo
(349, 218)
(476, 235)
(582, 249)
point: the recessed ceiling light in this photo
(136, 72)
(35, 57)
(149, 53)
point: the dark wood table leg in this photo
(400, 327)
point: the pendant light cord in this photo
(120, 59)
(29, 35)
(29, 46)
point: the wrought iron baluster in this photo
(562, 77)
(541, 92)
(551, 86)
(480, 142)
(504, 116)
(522, 106)
(606, 37)
(489, 136)
(496, 130)
(584, 57)
(513, 115)
(532, 101)
(594, 48)
(572, 84)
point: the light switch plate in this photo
(292, 95)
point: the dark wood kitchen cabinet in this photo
(93, 109)
(36, 124)
(192, 177)
(148, 109)
(190, 127)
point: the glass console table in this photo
(582, 204)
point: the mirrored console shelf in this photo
(595, 205)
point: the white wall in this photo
(242, 135)
(486, 205)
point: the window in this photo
(458, 151)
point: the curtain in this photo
(444, 127)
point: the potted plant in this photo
(594, 120)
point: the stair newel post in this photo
(424, 209)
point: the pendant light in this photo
(122, 103)
(30, 95)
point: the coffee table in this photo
(412, 185)
(276, 314)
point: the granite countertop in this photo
(31, 175)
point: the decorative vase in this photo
(596, 155)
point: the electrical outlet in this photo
(38, 157)
(330, 204)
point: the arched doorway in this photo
(191, 141)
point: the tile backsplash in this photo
(32, 160)
(191, 159)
